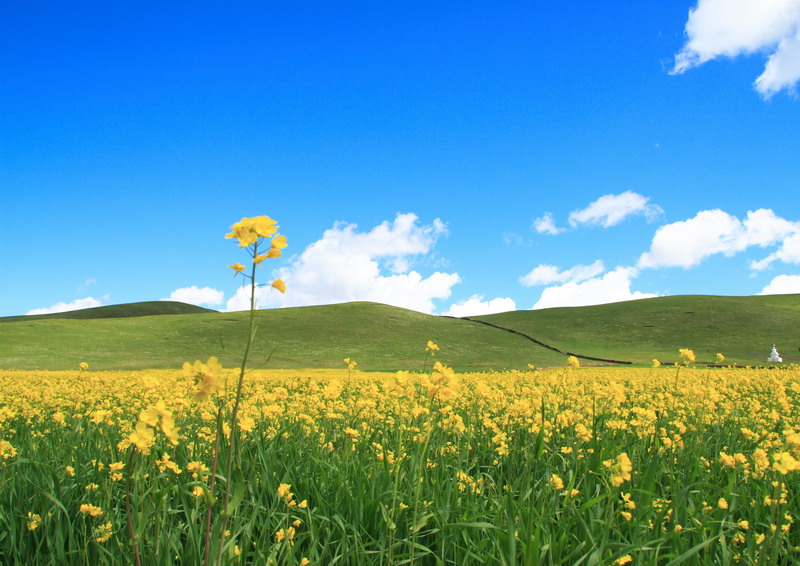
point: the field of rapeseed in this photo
(560, 466)
(563, 466)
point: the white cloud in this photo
(347, 265)
(545, 274)
(546, 225)
(610, 210)
(687, 243)
(728, 28)
(614, 286)
(789, 252)
(476, 306)
(197, 296)
(77, 304)
(782, 285)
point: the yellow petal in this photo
(279, 285)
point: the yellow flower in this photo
(574, 361)
(722, 503)
(103, 532)
(237, 267)
(34, 520)
(197, 491)
(626, 515)
(84, 366)
(627, 559)
(70, 471)
(249, 230)
(91, 510)
(620, 469)
(556, 482)
(279, 285)
(432, 347)
(720, 358)
(687, 355)
(656, 363)
(259, 258)
(305, 561)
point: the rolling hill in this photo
(164, 334)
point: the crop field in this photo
(574, 465)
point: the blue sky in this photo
(450, 159)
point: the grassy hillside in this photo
(379, 337)
(148, 308)
(164, 335)
(742, 328)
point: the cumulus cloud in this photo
(782, 285)
(546, 225)
(75, 305)
(728, 28)
(613, 287)
(476, 306)
(348, 265)
(546, 274)
(610, 210)
(789, 252)
(687, 243)
(197, 296)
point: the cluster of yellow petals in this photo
(442, 382)
(143, 435)
(208, 378)
(91, 510)
(687, 355)
(621, 469)
(249, 230)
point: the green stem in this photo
(212, 484)
(237, 402)
(130, 513)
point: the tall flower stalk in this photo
(252, 234)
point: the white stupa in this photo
(774, 356)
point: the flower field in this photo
(560, 466)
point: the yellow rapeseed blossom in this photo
(720, 358)
(84, 366)
(103, 532)
(91, 510)
(279, 285)
(556, 482)
(249, 230)
(620, 469)
(687, 355)
(574, 361)
(34, 521)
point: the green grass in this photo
(381, 337)
(742, 328)
(378, 336)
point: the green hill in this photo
(148, 308)
(379, 337)
(163, 335)
(741, 328)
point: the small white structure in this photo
(774, 356)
